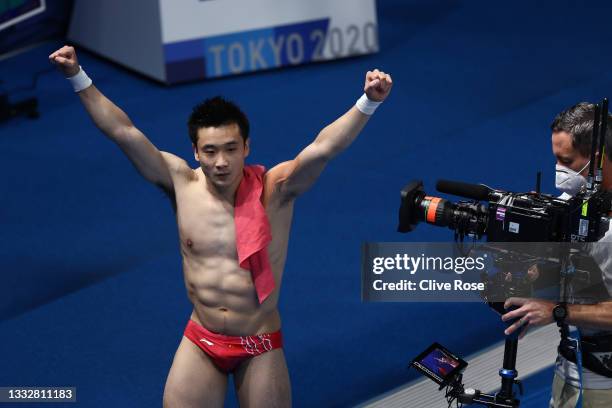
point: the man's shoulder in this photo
(280, 172)
(275, 177)
(178, 166)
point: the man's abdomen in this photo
(225, 301)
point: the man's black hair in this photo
(216, 112)
(578, 122)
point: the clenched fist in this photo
(377, 85)
(65, 60)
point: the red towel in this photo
(253, 231)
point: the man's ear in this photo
(247, 148)
(195, 152)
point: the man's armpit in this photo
(169, 194)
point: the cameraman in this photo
(571, 144)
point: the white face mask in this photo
(568, 180)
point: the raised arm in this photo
(153, 165)
(298, 175)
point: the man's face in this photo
(221, 152)
(566, 154)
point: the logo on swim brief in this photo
(251, 343)
(210, 343)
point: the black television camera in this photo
(509, 217)
(534, 223)
(516, 218)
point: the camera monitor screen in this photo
(439, 364)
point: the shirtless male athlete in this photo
(233, 328)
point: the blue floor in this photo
(537, 389)
(92, 294)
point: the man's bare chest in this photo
(206, 223)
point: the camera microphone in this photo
(474, 191)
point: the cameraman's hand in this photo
(65, 60)
(530, 312)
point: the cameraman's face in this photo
(566, 154)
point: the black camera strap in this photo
(596, 351)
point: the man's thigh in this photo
(193, 380)
(566, 396)
(263, 381)
(563, 394)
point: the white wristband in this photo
(366, 106)
(80, 81)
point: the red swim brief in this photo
(227, 352)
